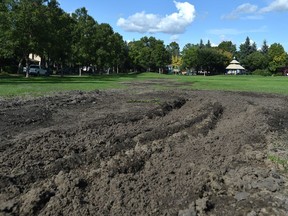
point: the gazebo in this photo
(234, 68)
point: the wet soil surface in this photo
(144, 152)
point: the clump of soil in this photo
(144, 153)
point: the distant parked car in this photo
(36, 70)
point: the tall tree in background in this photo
(105, 52)
(174, 54)
(173, 49)
(160, 56)
(119, 52)
(208, 45)
(228, 46)
(27, 27)
(253, 47)
(190, 57)
(57, 47)
(245, 50)
(264, 48)
(277, 57)
(201, 44)
(6, 48)
(145, 54)
(134, 49)
(256, 60)
(212, 60)
(148, 54)
(83, 46)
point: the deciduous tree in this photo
(83, 47)
(228, 46)
(277, 57)
(25, 28)
(256, 60)
(148, 54)
(58, 43)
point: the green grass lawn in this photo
(20, 86)
(277, 84)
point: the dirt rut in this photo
(144, 153)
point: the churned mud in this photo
(144, 152)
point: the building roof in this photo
(234, 62)
(234, 65)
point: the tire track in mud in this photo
(164, 154)
(110, 143)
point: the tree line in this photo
(75, 40)
(265, 60)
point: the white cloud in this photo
(214, 44)
(246, 8)
(250, 11)
(139, 22)
(175, 23)
(276, 5)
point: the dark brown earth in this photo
(144, 152)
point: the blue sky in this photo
(189, 21)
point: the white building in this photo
(234, 68)
(35, 59)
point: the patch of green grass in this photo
(15, 86)
(278, 85)
(247, 83)
(21, 86)
(279, 161)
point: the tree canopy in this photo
(148, 54)
(41, 27)
(75, 40)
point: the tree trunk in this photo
(27, 66)
(19, 66)
(62, 72)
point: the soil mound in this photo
(144, 153)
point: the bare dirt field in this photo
(144, 152)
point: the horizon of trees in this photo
(75, 40)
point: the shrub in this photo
(3, 73)
(262, 72)
(10, 69)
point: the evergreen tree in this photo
(201, 45)
(264, 48)
(246, 48)
(208, 45)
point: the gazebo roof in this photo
(234, 61)
(234, 65)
